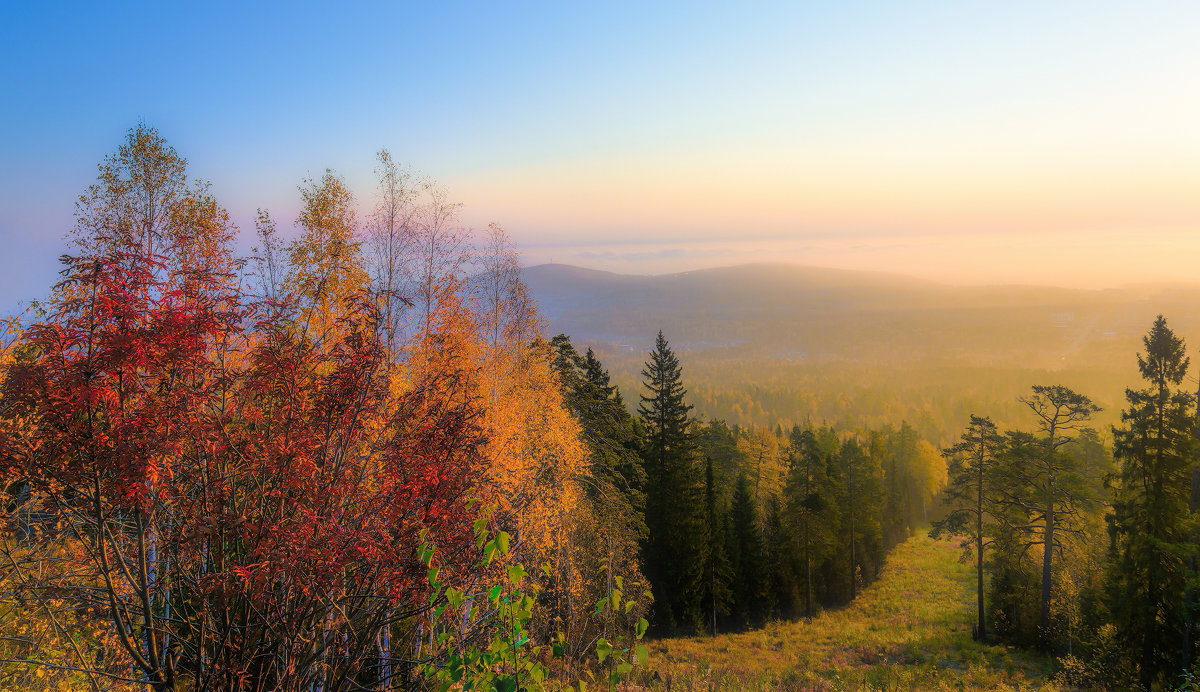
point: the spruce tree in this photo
(717, 571)
(611, 434)
(674, 504)
(1154, 449)
(781, 585)
(749, 558)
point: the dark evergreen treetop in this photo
(611, 433)
(663, 410)
(1150, 511)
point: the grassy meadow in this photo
(911, 629)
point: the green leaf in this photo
(615, 596)
(494, 594)
(502, 542)
(620, 581)
(643, 654)
(629, 606)
(516, 573)
(624, 668)
(603, 649)
(642, 626)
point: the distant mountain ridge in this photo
(779, 343)
(780, 308)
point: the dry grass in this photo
(909, 630)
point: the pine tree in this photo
(971, 496)
(861, 503)
(1046, 484)
(674, 506)
(810, 515)
(1150, 511)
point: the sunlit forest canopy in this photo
(780, 345)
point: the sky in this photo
(969, 142)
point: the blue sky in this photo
(647, 137)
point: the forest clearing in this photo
(911, 629)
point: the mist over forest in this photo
(781, 344)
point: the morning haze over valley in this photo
(546, 347)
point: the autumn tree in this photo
(267, 258)
(242, 497)
(325, 267)
(760, 450)
(614, 485)
(440, 252)
(390, 242)
(507, 310)
(143, 205)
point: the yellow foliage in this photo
(534, 449)
(763, 463)
(325, 267)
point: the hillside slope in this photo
(909, 630)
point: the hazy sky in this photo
(1053, 142)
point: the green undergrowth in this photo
(911, 629)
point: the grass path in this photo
(911, 629)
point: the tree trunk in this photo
(979, 629)
(1047, 555)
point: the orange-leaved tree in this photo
(242, 497)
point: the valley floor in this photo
(911, 629)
